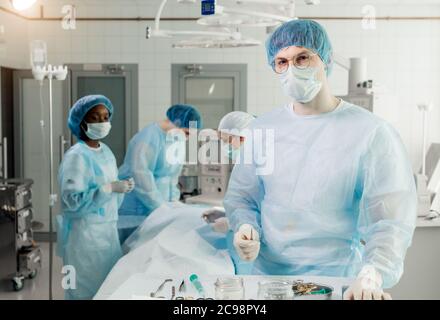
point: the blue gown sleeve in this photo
(80, 193)
(243, 197)
(144, 159)
(388, 204)
(175, 192)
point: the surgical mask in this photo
(97, 131)
(301, 84)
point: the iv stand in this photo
(59, 73)
(52, 197)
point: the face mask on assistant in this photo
(97, 131)
(230, 151)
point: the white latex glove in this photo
(211, 215)
(131, 184)
(221, 225)
(367, 286)
(247, 242)
(120, 186)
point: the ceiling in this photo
(148, 8)
(299, 2)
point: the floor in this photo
(38, 288)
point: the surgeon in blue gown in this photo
(154, 159)
(338, 196)
(90, 195)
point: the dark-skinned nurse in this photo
(90, 195)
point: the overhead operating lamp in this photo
(40, 71)
(213, 38)
(224, 22)
(290, 9)
(157, 32)
(21, 5)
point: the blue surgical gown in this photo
(87, 228)
(338, 194)
(155, 176)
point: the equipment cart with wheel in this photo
(20, 257)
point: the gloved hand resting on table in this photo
(247, 242)
(367, 286)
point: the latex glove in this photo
(120, 186)
(247, 242)
(367, 286)
(131, 184)
(221, 225)
(211, 215)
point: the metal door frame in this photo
(236, 71)
(130, 74)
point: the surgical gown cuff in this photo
(101, 197)
(241, 216)
(80, 204)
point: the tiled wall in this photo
(403, 59)
(13, 41)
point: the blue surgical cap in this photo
(301, 33)
(84, 105)
(181, 115)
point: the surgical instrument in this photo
(173, 292)
(185, 298)
(313, 291)
(153, 294)
(182, 287)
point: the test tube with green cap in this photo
(194, 279)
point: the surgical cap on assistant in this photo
(84, 105)
(181, 115)
(301, 33)
(236, 120)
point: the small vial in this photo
(194, 279)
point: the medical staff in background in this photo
(154, 159)
(341, 200)
(232, 131)
(90, 197)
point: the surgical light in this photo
(21, 5)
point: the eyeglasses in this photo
(300, 61)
